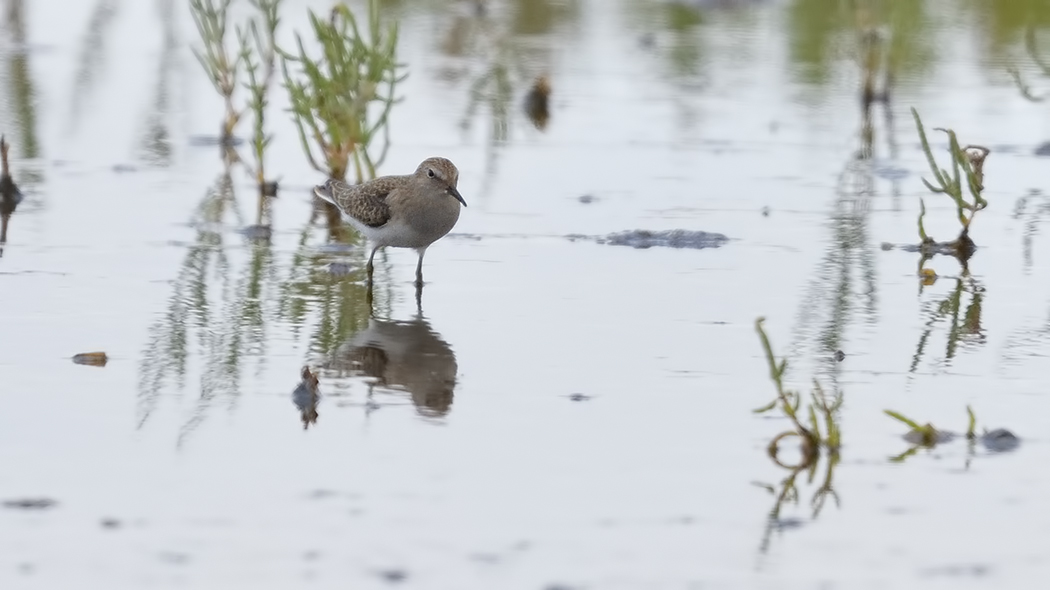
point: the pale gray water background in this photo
(213, 481)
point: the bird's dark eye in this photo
(430, 172)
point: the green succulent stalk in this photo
(341, 100)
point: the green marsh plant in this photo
(964, 185)
(927, 436)
(806, 424)
(221, 66)
(258, 54)
(816, 427)
(341, 100)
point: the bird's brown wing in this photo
(364, 202)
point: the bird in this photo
(409, 211)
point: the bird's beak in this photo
(455, 193)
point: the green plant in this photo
(789, 402)
(264, 45)
(968, 171)
(925, 434)
(928, 436)
(331, 96)
(222, 67)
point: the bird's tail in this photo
(324, 191)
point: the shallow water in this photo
(456, 452)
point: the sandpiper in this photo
(411, 211)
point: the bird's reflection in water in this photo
(407, 356)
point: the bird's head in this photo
(442, 174)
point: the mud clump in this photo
(675, 238)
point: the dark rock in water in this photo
(30, 503)
(579, 397)
(586, 199)
(394, 576)
(1000, 440)
(784, 524)
(211, 140)
(840, 356)
(93, 359)
(1043, 150)
(10, 196)
(336, 248)
(891, 172)
(675, 238)
(259, 233)
(340, 269)
(537, 103)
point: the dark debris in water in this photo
(675, 238)
(212, 141)
(30, 503)
(1000, 440)
(340, 269)
(92, 359)
(394, 576)
(174, 558)
(258, 233)
(974, 570)
(788, 523)
(1043, 149)
(942, 248)
(890, 172)
(579, 397)
(916, 437)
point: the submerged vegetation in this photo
(966, 177)
(927, 436)
(821, 408)
(814, 438)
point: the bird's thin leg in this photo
(370, 268)
(419, 268)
